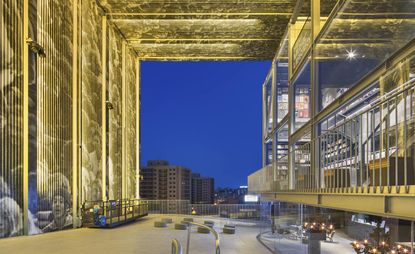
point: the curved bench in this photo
(160, 224)
(227, 230)
(209, 223)
(167, 220)
(203, 230)
(180, 226)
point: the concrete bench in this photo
(180, 226)
(227, 230)
(209, 223)
(160, 224)
(167, 220)
(203, 230)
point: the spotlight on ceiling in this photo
(351, 54)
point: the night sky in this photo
(205, 116)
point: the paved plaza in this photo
(140, 237)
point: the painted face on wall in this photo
(5, 225)
(58, 206)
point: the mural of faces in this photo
(11, 223)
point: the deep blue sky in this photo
(205, 116)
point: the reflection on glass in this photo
(268, 105)
(281, 158)
(362, 35)
(303, 176)
(282, 89)
(268, 151)
(303, 42)
(364, 143)
(301, 88)
(297, 228)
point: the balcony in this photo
(364, 162)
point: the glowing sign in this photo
(251, 198)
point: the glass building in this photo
(338, 119)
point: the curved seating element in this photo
(203, 230)
(180, 226)
(160, 224)
(227, 230)
(167, 220)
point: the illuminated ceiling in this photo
(374, 29)
(201, 29)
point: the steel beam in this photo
(395, 206)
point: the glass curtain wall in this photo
(299, 228)
(275, 117)
(268, 112)
(357, 39)
(301, 94)
(371, 138)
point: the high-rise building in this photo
(163, 181)
(202, 189)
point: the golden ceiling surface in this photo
(201, 29)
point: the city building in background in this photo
(162, 181)
(203, 189)
(231, 195)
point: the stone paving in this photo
(140, 237)
(284, 245)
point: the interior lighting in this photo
(351, 54)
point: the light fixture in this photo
(351, 54)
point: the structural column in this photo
(25, 117)
(137, 131)
(75, 139)
(314, 144)
(104, 109)
(123, 124)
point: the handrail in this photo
(176, 247)
(377, 102)
(217, 241)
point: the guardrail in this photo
(372, 151)
(271, 178)
(176, 247)
(232, 211)
(112, 212)
(374, 147)
(215, 234)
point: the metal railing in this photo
(303, 175)
(169, 206)
(176, 247)
(231, 211)
(372, 150)
(271, 178)
(374, 147)
(213, 231)
(112, 212)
